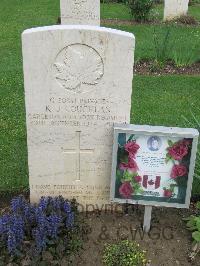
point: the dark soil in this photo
(167, 244)
(149, 68)
(120, 22)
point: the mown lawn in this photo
(121, 11)
(182, 40)
(156, 100)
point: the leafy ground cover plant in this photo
(124, 253)
(193, 224)
(42, 232)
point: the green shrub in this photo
(194, 2)
(140, 9)
(123, 253)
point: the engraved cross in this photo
(77, 151)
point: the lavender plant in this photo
(44, 226)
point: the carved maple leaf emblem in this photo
(81, 65)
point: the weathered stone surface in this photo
(78, 82)
(175, 8)
(80, 12)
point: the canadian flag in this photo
(151, 183)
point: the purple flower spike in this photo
(11, 243)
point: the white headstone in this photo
(175, 8)
(80, 12)
(78, 82)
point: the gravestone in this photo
(80, 12)
(175, 8)
(78, 82)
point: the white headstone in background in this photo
(175, 8)
(80, 12)
(78, 82)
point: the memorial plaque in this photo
(153, 165)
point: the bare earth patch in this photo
(125, 22)
(148, 68)
(168, 243)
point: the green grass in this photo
(121, 11)
(156, 100)
(14, 18)
(164, 101)
(185, 39)
(194, 11)
(112, 11)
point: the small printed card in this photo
(153, 165)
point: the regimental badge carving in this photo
(78, 65)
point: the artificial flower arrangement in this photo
(129, 181)
(179, 154)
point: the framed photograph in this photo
(153, 165)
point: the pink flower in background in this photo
(126, 190)
(178, 170)
(131, 147)
(167, 193)
(130, 166)
(138, 178)
(178, 151)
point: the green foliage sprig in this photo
(182, 56)
(140, 9)
(193, 224)
(162, 45)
